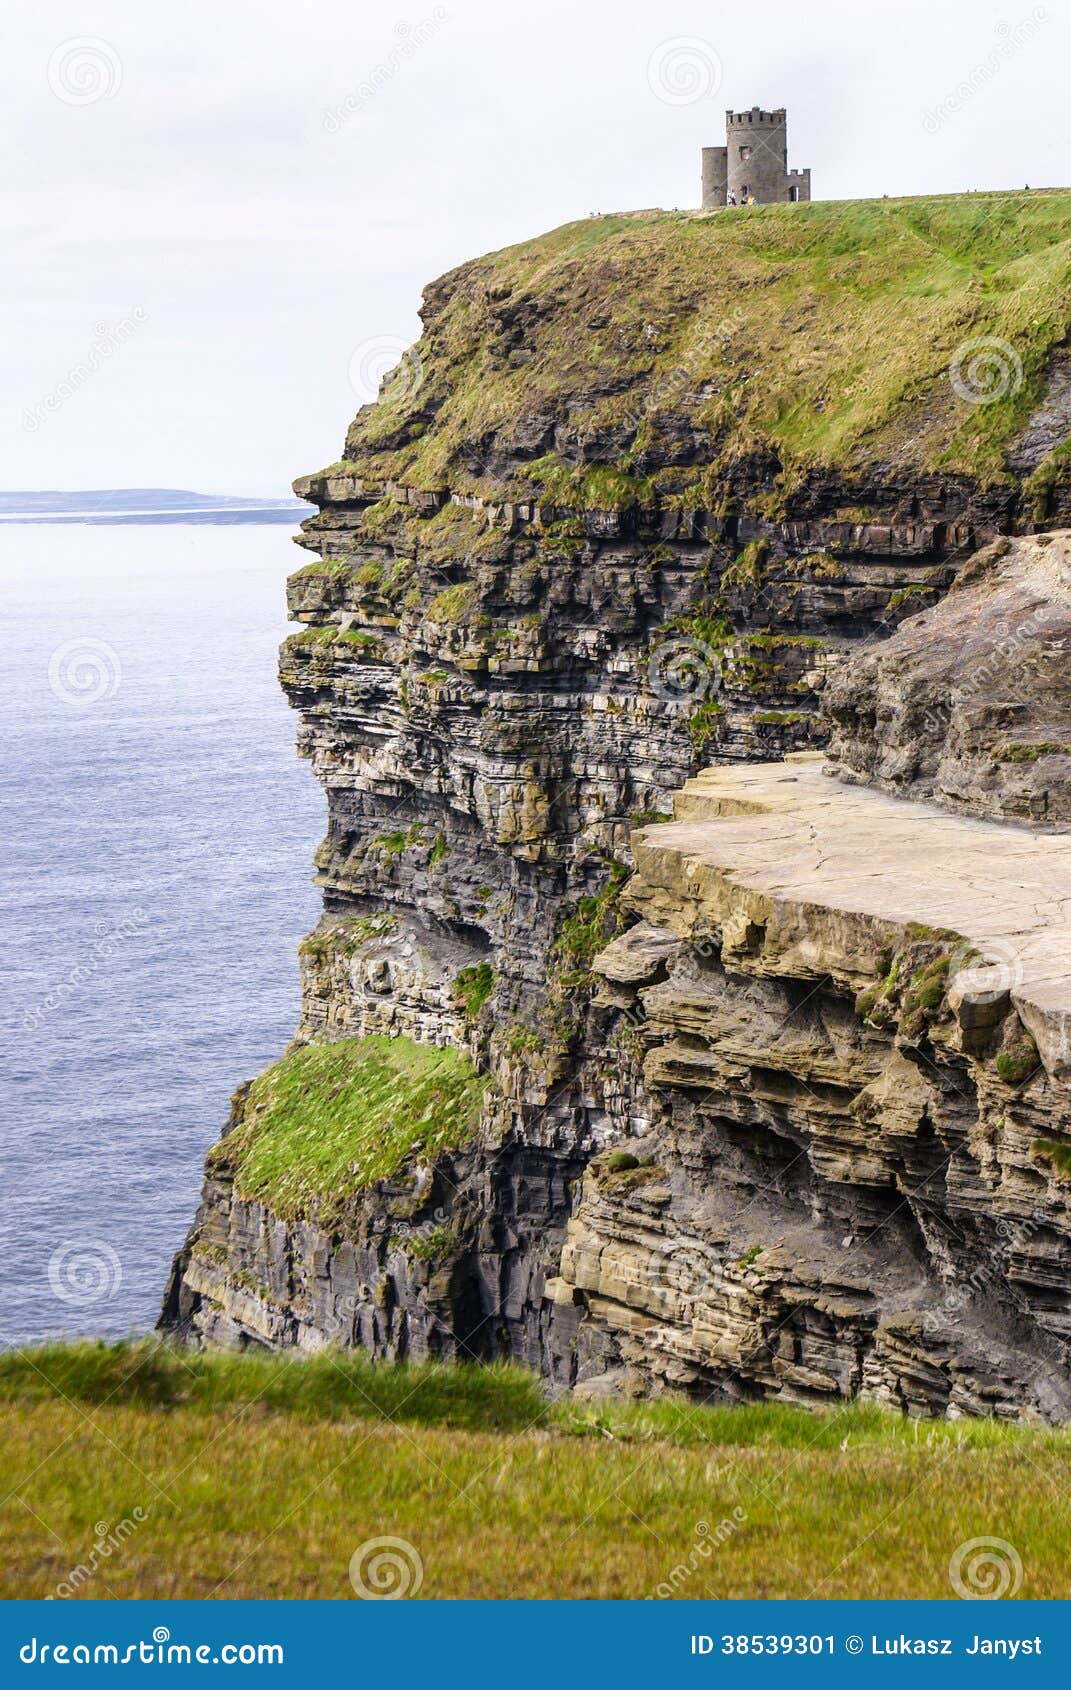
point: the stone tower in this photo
(753, 164)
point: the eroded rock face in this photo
(847, 1182)
(491, 700)
(701, 1166)
(970, 702)
(822, 1204)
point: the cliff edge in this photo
(647, 492)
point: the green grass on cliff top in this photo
(329, 1120)
(825, 331)
(255, 1475)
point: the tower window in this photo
(745, 152)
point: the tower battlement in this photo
(752, 166)
(740, 119)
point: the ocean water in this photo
(157, 839)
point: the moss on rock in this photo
(616, 328)
(330, 1119)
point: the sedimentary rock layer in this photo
(642, 492)
(853, 1181)
(970, 702)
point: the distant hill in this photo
(145, 504)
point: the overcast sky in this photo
(221, 212)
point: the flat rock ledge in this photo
(823, 877)
(852, 1174)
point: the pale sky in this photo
(224, 211)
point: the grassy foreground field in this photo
(138, 1471)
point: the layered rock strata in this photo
(610, 524)
(970, 702)
(854, 1015)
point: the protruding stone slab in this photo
(834, 873)
(638, 956)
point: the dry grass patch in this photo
(246, 1499)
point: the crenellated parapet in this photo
(752, 167)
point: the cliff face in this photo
(970, 702)
(642, 488)
(854, 1013)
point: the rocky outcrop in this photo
(853, 1180)
(970, 702)
(571, 558)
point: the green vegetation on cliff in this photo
(500, 1493)
(1056, 1153)
(587, 928)
(473, 987)
(330, 1119)
(836, 333)
(331, 636)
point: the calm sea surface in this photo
(157, 839)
